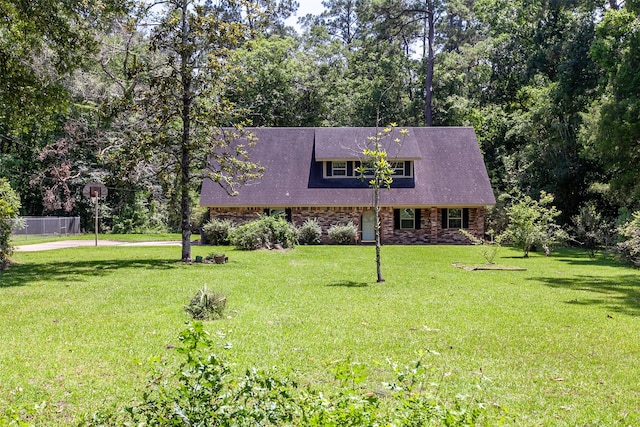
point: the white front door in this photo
(368, 226)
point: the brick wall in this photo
(430, 231)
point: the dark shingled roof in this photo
(347, 143)
(448, 170)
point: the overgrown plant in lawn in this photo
(206, 305)
(205, 391)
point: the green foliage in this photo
(218, 231)
(591, 230)
(9, 207)
(264, 233)
(310, 232)
(205, 392)
(629, 249)
(616, 49)
(532, 222)
(140, 216)
(206, 305)
(343, 234)
(178, 112)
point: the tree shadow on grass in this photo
(75, 271)
(620, 294)
(349, 284)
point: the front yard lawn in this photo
(556, 344)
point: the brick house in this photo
(440, 183)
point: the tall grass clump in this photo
(268, 232)
(206, 305)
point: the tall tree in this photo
(617, 141)
(410, 20)
(180, 110)
(42, 42)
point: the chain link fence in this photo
(46, 225)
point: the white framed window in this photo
(407, 219)
(454, 218)
(359, 173)
(399, 169)
(338, 168)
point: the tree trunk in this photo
(376, 208)
(428, 81)
(185, 155)
(185, 200)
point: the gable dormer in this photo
(338, 153)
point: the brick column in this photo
(480, 219)
(434, 225)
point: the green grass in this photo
(556, 344)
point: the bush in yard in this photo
(310, 232)
(218, 231)
(206, 305)
(629, 249)
(532, 223)
(9, 207)
(203, 391)
(590, 229)
(266, 232)
(343, 234)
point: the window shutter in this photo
(396, 219)
(418, 211)
(445, 222)
(287, 214)
(349, 168)
(465, 218)
(407, 168)
(329, 171)
(266, 211)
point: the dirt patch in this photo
(487, 267)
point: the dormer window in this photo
(350, 169)
(339, 168)
(402, 169)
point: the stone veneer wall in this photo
(327, 217)
(430, 231)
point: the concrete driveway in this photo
(77, 243)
